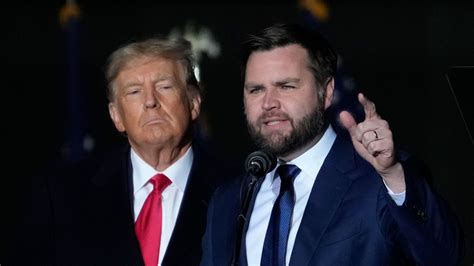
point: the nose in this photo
(151, 100)
(270, 100)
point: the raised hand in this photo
(372, 139)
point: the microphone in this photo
(259, 163)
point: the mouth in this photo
(273, 122)
(153, 121)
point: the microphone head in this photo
(259, 163)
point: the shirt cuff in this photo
(399, 198)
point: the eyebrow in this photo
(285, 81)
(275, 83)
(165, 78)
(138, 83)
(253, 86)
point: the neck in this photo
(161, 158)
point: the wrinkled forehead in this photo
(147, 59)
(158, 66)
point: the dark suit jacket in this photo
(83, 215)
(350, 219)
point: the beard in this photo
(303, 132)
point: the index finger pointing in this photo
(369, 106)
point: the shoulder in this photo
(226, 198)
(216, 166)
(76, 172)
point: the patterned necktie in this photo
(276, 238)
(148, 224)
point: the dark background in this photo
(397, 53)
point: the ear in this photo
(195, 105)
(329, 94)
(116, 118)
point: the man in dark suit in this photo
(145, 203)
(334, 199)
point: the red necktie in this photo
(148, 224)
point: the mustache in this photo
(272, 115)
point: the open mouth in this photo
(273, 122)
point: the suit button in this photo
(422, 215)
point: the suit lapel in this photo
(190, 223)
(330, 187)
(112, 197)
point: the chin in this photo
(274, 142)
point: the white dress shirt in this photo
(310, 163)
(172, 196)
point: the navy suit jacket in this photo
(350, 219)
(84, 215)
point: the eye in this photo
(255, 90)
(287, 87)
(132, 91)
(164, 85)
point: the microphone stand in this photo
(242, 219)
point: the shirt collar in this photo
(178, 172)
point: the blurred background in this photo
(414, 60)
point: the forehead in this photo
(153, 62)
(286, 60)
(150, 67)
(290, 54)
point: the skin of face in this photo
(155, 108)
(280, 94)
